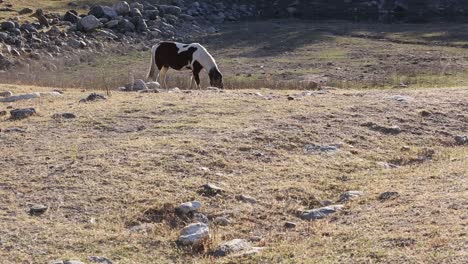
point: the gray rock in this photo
(25, 11)
(234, 246)
(6, 94)
(89, 23)
(93, 97)
(350, 195)
(393, 130)
(151, 14)
(170, 9)
(246, 199)
(459, 140)
(77, 44)
(135, 12)
(20, 97)
(141, 25)
(72, 262)
(112, 24)
(401, 98)
(64, 116)
(137, 5)
(125, 26)
(8, 25)
(388, 196)
(194, 234)
(71, 17)
(290, 225)
(189, 207)
(139, 85)
(100, 11)
(122, 8)
(153, 85)
(102, 260)
(222, 221)
(37, 209)
(211, 190)
(318, 149)
(320, 213)
(29, 27)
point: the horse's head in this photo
(216, 78)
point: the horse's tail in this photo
(152, 69)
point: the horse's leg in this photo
(162, 77)
(196, 71)
(192, 81)
(197, 80)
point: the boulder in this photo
(89, 23)
(71, 17)
(194, 234)
(139, 85)
(122, 8)
(19, 114)
(20, 97)
(189, 207)
(100, 11)
(125, 26)
(6, 94)
(153, 85)
(320, 213)
(25, 11)
(170, 9)
(8, 25)
(37, 209)
(232, 247)
(350, 195)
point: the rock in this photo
(234, 246)
(71, 17)
(125, 26)
(88, 23)
(189, 207)
(8, 25)
(25, 11)
(151, 14)
(141, 25)
(459, 140)
(93, 97)
(102, 260)
(122, 8)
(246, 199)
(388, 195)
(151, 85)
(37, 209)
(222, 221)
(6, 94)
(112, 24)
(318, 149)
(401, 98)
(72, 262)
(64, 116)
(320, 213)
(135, 12)
(3, 113)
(211, 190)
(100, 11)
(170, 9)
(350, 195)
(77, 44)
(14, 130)
(290, 225)
(194, 234)
(139, 85)
(137, 5)
(393, 130)
(19, 114)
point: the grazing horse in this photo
(180, 56)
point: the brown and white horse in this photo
(178, 56)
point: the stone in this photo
(19, 114)
(401, 98)
(6, 94)
(135, 12)
(3, 113)
(194, 234)
(93, 97)
(112, 24)
(89, 23)
(318, 149)
(25, 11)
(189, 207)
(72, 262)
(234, 246)
(139, 85)
(350, 195)
(459, 140)
(393, 130)
(211, 190)
(125, 26)
(170, 9)
(37, 209)
(222, 221)
(246, 199)
(77, 44)
(122, 8)
(151, 85)
(71, 17)
(320, 213)
(8, 25)
(290, 225)
(137, 5)
(388, 196)
(64, 116)
(101, 260)
(101, 11)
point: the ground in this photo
(123, 160)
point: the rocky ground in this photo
(260, 176)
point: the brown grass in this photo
(124, 160)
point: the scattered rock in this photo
(3, 113)
(170, 9)
(318, 149)
(19, 114)
(37, 209)
(246, 199)
(290, 225)
(20, 97)
(25, 11)
(6, 94)
(194, 234)
(14, 130)
(89, 23)
(102, 260)
(71, 16)
(93, 97)
(320, 213)
(122, 8)
(393, 130)
(139, 85)
(189, 207)
(211, 190)
(100, 11)
(153, 85)
(64, 116)
(350, 195)
(8, 25)
(234, 246)
(401, 98)
(222, 221)
(461, 140)
(388, 195)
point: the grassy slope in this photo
(101, 172)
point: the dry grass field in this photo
(112, 176)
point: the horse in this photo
(179, 56)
